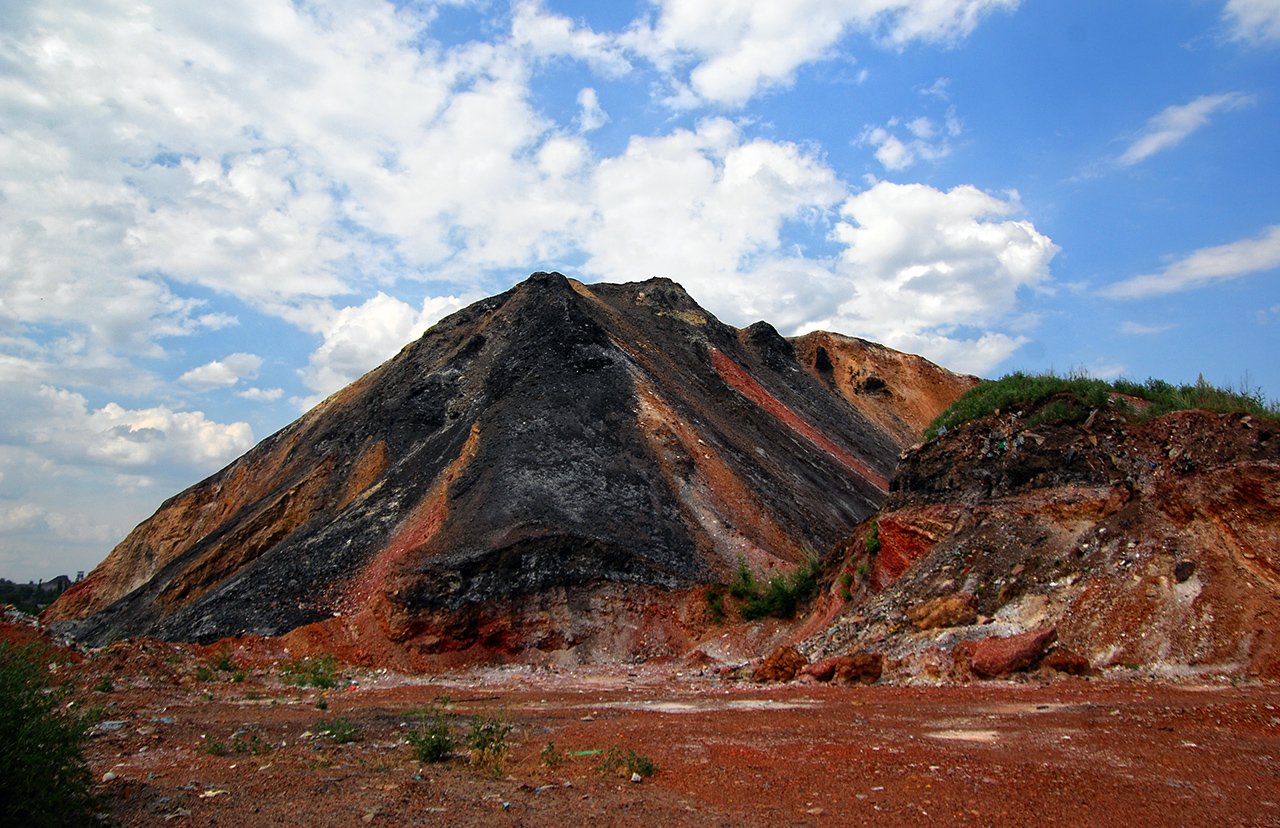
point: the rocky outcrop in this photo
(1149, 543)
(507, 482)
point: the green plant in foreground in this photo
(44, 780)
(488, 741)
(339, 730)
(616, 762)
(433, 742)
(552, 757)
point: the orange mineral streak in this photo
(745, 385)
(418, 528)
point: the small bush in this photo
(44, 780)
(616, 762)
(552, 757)
(433, 742)
(488, 741)
(715, 605)
(104, 685)
(215, 747)
(203, 673)
(872, 541)
(783, 594)
(223, 663)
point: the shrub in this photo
(615, 762)
(433, 742)
(872, 541)
(715, 605)
(783, 594)
(488, 741)
(44, 780)
(551, 756)
(104, 685)
(223, 663)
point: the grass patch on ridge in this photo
(1019, 389)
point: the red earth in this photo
(196, 736)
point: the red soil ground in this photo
(1043, 750)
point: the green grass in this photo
(616, 762)
(340, 730)
(312, 671)
(44, 780)
(1026, 390)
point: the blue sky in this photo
(214, 215)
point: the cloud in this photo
(1139, 329)
(707, 208)
(1253, 21)
(1177, 122)
(261, 394)
(1206, 266)
(592, 116)
(927, 141)
(357, 339)
(937, 272)
(738, 48)
(223, 373)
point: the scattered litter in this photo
(210, 794)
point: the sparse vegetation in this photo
(781, 596)
(488, 741)
(871, 543)
(1019, 389)
(715, 605)
(616, 762)
(552, 757)
(44, 780)
(104, 685)
(340, 730)
(433, 742)
(312, 671)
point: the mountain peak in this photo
(529, 462)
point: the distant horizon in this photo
(212, 217)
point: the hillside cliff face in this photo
(1148, 545)
(527, 458)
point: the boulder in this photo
(823, 670)
(863, 668)
(782, 665)
(995, 656)
(945, 611)
(1066, 661)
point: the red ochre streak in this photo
(745, 385)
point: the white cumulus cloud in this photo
(358, 339)
(706, 207)
(223, 373)
(937, 272)
(740, 47)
